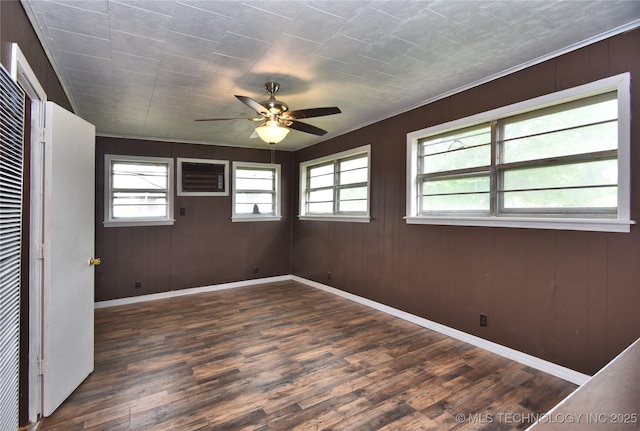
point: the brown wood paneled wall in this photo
(569, 297)
(204, 247)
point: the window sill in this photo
(581, 224)
(128, 223)
(255, 218)
(349, 219)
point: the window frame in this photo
(334, 159)
(277, 216)
(545, 220)
(109, 220)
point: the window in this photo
(559, 162)
(138, 191)
(336, 187)
(202, 177)
(256, 191)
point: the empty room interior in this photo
(320, 215)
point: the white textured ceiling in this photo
(148, 68)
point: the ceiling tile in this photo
(192, 20)
(136, 45)
(72, 18)
(315, 25)
(181, 64)
(80, 43)
(135, 20)
(134, 63)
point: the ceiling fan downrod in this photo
(272, 88)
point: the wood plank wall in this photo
(569, 297)
(203, 247)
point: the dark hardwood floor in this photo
(285, 356)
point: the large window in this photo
(256, 191)
(336, 187)
(138, 190)
(559, 162)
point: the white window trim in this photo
(620, 83)
(109, 221)
(250, 217)
(207, 161)
(364, 218)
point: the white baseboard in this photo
(507, 352)
(190, 291)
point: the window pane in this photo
(465, 138)
(139, 205)
(602, 172)
(324, 195)
(600, 176)
(597, 197)
(599, 137)
(320, 208)
(457, 157)
(254, 184)
(254, 198)
(254, 208)
(460, 149)
(321, 181)
(466, 202)
(353, 193)
(464, 184)
(255, 173)
(581, 112)
(355, 176)
(321, 170)
(353, 206)
(139, 176)
(360, 162)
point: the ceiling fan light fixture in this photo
(271, 132)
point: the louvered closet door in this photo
(11, 164)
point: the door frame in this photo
(23, 74)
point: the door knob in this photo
(94, 261)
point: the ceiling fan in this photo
(276, 117)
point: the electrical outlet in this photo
(255, 269)
(483, 320)
(138, 284)
(183, 211)
(329, 275)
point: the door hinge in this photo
(40, 251)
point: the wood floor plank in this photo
(287, 357)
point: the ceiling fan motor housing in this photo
(274, 106)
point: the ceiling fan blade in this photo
(253, 105)
(231, 118)
(304, 127)
(312, 112)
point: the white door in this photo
(68, 296)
